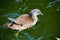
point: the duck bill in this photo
(41, 14)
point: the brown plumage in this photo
(24, 21)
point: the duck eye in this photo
(38, 12)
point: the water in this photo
(46, 29)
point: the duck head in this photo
(36, 12)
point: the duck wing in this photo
(22, 22)
(12, 19)
(25, 18)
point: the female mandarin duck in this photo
(24, 21)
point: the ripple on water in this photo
(25, 9)
(52, 3)
(19, 9)
(11, 14)
(58, 8)
(40, 38)
(27, 35)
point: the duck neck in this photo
(35, 18)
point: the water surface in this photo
(47, 28)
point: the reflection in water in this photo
(52, 3)
(28, 36)
(2, 27)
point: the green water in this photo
(47, 28)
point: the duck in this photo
(24, 21)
